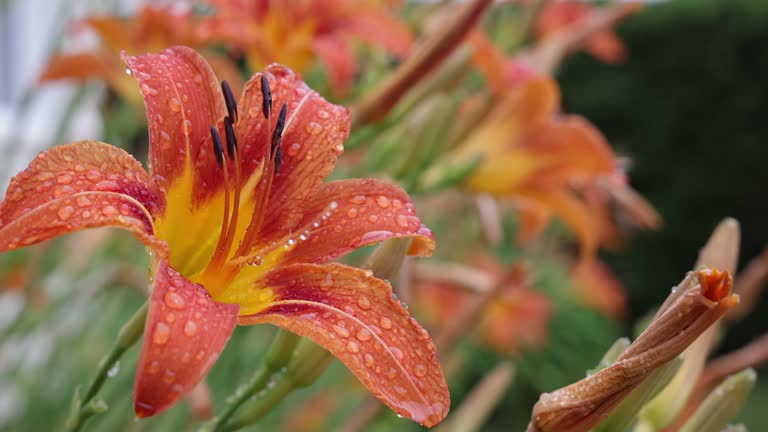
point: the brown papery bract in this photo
(584, 404)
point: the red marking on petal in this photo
(354, 316)
(184, 334)
(367, 211)
(183, 99)
(86, 166)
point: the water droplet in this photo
(154, 367)
(170, 318)
(364, 303)
(83, 201)
(113, 371)
(187, 127)
(128, 71)
(385, 323)
(174, 105)
(64, 179)
(341, 331)
(169, 376)
(109, 211)
(161, 334)
(373, 218)
(93, 175)
(402, 221)
(391, 373)
(420, 370)
(60, 191)
(363, 335)
(353, 347)
(65, 212)
(382, 201)
(313, 128)
(174, 301)
(397, 204)
(357, 199)
(323, 114)
(369, 360)
(352, 213)
(186, 357)
(190, 328)
(293, 149)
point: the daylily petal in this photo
(354, 316)
(489, 60)
(313, 138)
(572, 148)
(378, 28)
(184, 334)
(85, 166)
(366, 211)
(78, 66)
(183, 99)
(573, 212)
(75, 186)
(338, 57)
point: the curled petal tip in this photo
(715, 284)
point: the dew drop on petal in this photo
(373, 218)
(174, 105)
(341, 331)
(382, 201)
(352, 213)
(190, 328)
(420, 370)
(173, 300)
(109, 211)
(397, 353)
(363, 335)
(357, 199)
(323, 114)
(187, 127)
(161, 334)
(65, 212)
(364, 303)
(154, 367)
(83, 201)
(385, 323)
(293, 149)
(313, 128)
(353, 347)
(169, 376)
(369, 360)
(402, 221)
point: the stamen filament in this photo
(219, 152)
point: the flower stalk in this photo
(87, 406)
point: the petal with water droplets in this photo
(75, 186)
(183, 99)
(348, 214)
(184, 334)
(354, 316)
(313, 138)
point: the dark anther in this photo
(278, 158)
(229, 99)
(266, 97)
(277, 135)
(218, 150)
(230, 135)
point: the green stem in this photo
(282, 387)
(277, 357)
(126, 338)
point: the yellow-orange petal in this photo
(79, 66)
(354, 316)
(184, 334)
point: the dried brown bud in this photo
(699, 301)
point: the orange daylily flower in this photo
(540, 158)
(152, 29)
(242, 229)
(518, 318)
(296, 33)
(556, 16)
